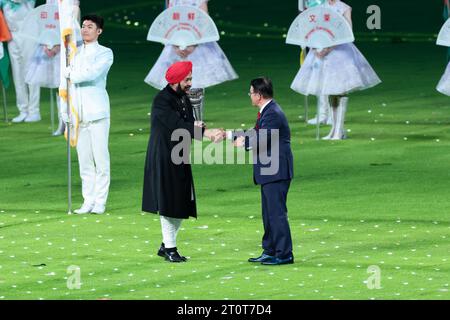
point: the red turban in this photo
(178, 71)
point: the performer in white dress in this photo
(43, 69)
(323, 103)
(335, 71)
(27, 97)
(210, 65)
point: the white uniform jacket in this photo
(88, 73)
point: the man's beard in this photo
(181, 91)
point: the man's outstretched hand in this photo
(215, 135)
(239, 142)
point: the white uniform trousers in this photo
(170, 228)
(93, 158)
(27, 96)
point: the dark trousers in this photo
(277, 239)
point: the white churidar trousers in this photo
(170, 228)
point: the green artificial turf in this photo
(379, 198)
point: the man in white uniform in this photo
(89, 72)
(27, 96)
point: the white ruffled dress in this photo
(210, 65)
(342, 71)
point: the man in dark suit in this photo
(272, 170)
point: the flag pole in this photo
(69, 163)
(306, 108)
(5, 109)
(52, 112)
(303, 53)
(318, 121)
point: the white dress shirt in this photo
(265, 105)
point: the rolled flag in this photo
(69, 28)
(5, 35)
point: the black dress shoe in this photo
(162, 251)
(277, 261)
(174, 256)
(261, 258)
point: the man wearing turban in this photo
(168, 182)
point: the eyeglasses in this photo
(250, 93)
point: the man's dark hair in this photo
(263, 86)
(99, 21)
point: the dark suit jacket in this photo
(270, 141)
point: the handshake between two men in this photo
(219, 134)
